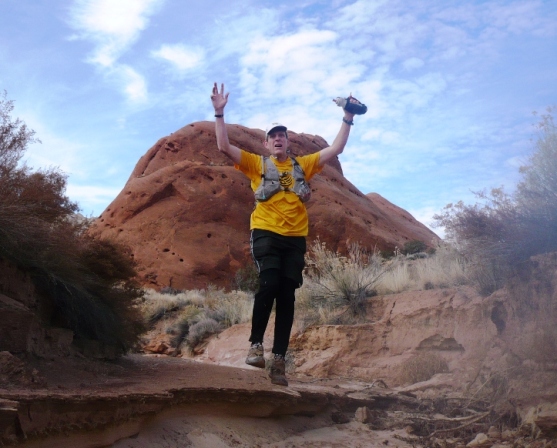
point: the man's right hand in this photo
(219, 99)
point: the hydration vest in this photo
(272, 181)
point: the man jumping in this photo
(279, 223)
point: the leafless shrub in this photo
(501, 232)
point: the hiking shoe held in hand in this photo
(277, 373)
(255, 356)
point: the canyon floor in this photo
(156, 401)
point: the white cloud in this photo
(54, 150)
(91, 196)
(180, 56)
(112, 25)
(135, 85)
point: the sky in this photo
(452, 87)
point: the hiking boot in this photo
(255, 355)
(277, 373)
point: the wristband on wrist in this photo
(350, 123)
(219, 115)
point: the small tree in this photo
(504, 231)
(14, 136)
(90, 282)
(537, 192)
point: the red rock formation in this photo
(185, 210)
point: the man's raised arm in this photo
(339, 143)
(219, 100)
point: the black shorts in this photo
(273, 251)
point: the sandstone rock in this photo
(16, 325)
(363, 415)
(544, 417)
(340, 418)
(452, 323)
(494, 432)
(25, 317)
(185, 210)
(14, 372)
(8, 421)
(158, 347)
(481, 439)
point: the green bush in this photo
(89, 282)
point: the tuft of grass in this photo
(336, 288)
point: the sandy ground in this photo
(196, 428)
(151, 401)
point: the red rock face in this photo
(185, 209)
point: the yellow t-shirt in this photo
(283, 213)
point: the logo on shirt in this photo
(286, 180)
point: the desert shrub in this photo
(170, 290)
(488, 234)
(236, 307)
(185, 312)
(201, 330)
(246, 278)
(90, 282)
(181, 325)
(414, 247)
(338, 287)
(502, 231)
(421, 367)
(157, 305)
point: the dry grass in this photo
(445, 268)
(192, 316)
(336, 289)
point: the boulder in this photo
(185, 210)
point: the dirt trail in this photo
(145, 401)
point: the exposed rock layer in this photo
(185, 209)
